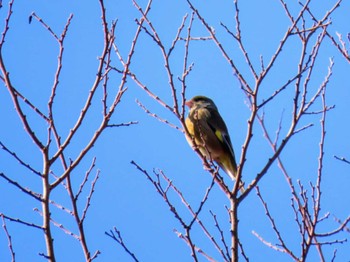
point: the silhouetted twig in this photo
(116, 235)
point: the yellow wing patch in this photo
(219, 135)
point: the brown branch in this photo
(306, 105)
(12, 91)
(227, 255)
(7, 24)
(9, 239)
(153, 34)
(195, 214)
(282, 88)
(150, 93)
(45, 25)
(22, 188)
(267, 243)
(282, 247)
(343, 159)
(163, 120)
(86, 107)
(298, 109)
(163, 191)
(121, 90)
(88, 201)
(107, 63)
(101, 75)
(343, 226)
(238, 38)
(193, 247)
(317, 188)
(60, 226)
(63, 208)
(46, 212)
(177, 37)
(123, 124)
(284, 39)
(79, 220)
(118, 238)
(341, 47)
(21, 162)
(210, 30)
(20, 221)
(59, 67)
(87, 174)
(186, 70)
(30, 104)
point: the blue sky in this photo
(123, 197)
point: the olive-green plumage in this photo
(209, 131)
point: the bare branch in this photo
(343, 159)
(22, 188)
(177, 37)
(210, 30)
(163, 120)
(60, 226)
(92, 190)
(20, 221)
(123, 124)
(195, 248)
(282, 247)
(45, 25)
(21, 162)
(87, 174)
(238, 38)
(118, 238)
(9, 239)
(222, 237)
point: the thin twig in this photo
(23, 163)
(20, 221)
(9, 239)
(119, 239)
(22, 188)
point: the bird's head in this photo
(200, 102)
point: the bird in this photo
(208, 130)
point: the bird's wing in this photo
(218, 126)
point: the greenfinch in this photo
(207, 128)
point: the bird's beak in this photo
(189, 103)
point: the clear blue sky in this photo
(124, 198)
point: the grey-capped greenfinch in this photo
(206, 126)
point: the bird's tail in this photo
(234, 176)
(230, 168)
